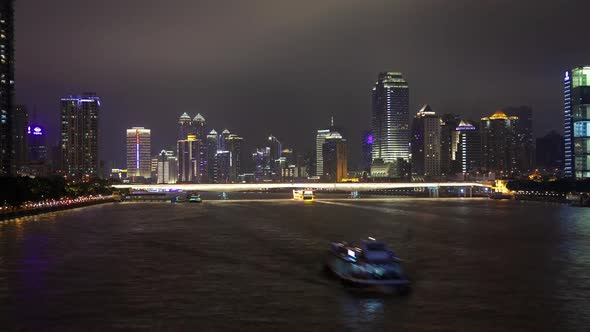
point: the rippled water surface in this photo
(476, 265)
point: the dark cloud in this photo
(284, 67)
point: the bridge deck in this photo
(317, 186)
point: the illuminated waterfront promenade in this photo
(316, 186)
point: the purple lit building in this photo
(367, 150)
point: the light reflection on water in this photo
(476, 265)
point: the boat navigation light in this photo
(372, 238)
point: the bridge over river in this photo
(351, 187)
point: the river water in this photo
(256, 265)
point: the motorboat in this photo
(195, 198)
(499, 195)
(303, 194)
(178, 199)
(369, 264)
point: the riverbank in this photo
(37, 208)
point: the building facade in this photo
(167, 168)
(185, 127)
(390, 120)
(577, 122)
(79, 135)
(37, 146)
(550, 153)
(320, 139)
(366, 150)
(524, 136)
(139, 153)
(22, 131)
(6, 86)
(335, 158)
(467, 154)
(499, 144)
(426, 143)
(234, 146)
(188, 159)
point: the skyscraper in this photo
(524, 136)
(222, 146)
(167, 167)
(199, 127)
(449, 142)
(21, 130)
(390, 121)
(550, 152)
(234, 146)
(185, 127)
(577, 122)
(468, 151)
(366, 150)
(79, 135)
(335, 157)
(222, 166)
(320, 138)
(37, 148)
(426, 139)
(499, 143)
(211, 151)
(6, 86)
(276, 150)
(139, 152)
(188, 159)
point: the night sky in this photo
(284, 67)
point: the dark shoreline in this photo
(4, 216)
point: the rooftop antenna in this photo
(332, 121)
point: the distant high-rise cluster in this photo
(446, 146)
(430, 146)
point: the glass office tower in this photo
(577, 122)
(391, 127)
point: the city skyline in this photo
(321, 86)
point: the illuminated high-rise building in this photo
(199, 124)
(577, 122)
(222, 144)
(222, 166)
(37, 147)
(449, 141)
(167, 168)
(524, 137)
(499, 144)
(188, 159)
(6, 86)
(79, 135)
(22, 131)
(210, 152)
(366, 150)
(185, 127)
(390, 118)
(335, 157)
(234, 146)
(320, 139)
(467, 153)
(199, 128)
(426, 143)
(139, 152)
